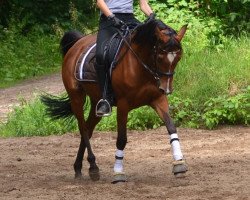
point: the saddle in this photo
(85, 66)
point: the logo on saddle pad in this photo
(85, 66)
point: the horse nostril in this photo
(168, 92)
(162, 90)
(166, 89)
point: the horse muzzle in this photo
(166, 86)
(166, 91)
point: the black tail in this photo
(57, 107)
(68, 40)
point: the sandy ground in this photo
(42, 167)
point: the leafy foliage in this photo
(230, 15)
(215, 64)
(31, 119)
(234, 14)
(46, 13)
(231, 110)
(24, 57)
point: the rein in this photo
(156, 77)
(155, 73)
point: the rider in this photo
(114, 13)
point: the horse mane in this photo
(145, 33)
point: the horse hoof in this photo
(94, 174)
(179, 168)
(119, 177)
(78, 176)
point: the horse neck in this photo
(144, 53)
(133, 62)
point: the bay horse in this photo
(143, 76)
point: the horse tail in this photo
(57, 107)
(68, 40)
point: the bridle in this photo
(154, 71)
(157, 70)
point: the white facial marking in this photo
(171, 56)
(167, 89)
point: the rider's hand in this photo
(115, 21)
(150, 17)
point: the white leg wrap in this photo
(118, 167)
(176, 148)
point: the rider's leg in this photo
(106, 31)
(103, 108)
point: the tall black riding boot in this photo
(103, 107)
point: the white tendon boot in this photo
(119, 175)
(179, 164)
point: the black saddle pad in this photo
(85, 66)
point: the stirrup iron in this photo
(106, 114)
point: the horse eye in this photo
(163, 50)
(160, 56)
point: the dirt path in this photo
(41, 167)
(10, 97)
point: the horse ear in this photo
(182, 32)
(160, 34)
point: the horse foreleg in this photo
(122, 117)
(179, 164)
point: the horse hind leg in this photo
(91, 122)
(77, 102)
(79, 159)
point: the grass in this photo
(208, 73)
(201, 76)
(27, 57)
(30, 119)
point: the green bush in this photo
(202, 31)
(208, 81)
(23, 57)
(227, 110)
(31, 119)
(46, 13)
(205, 74)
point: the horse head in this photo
(164, 47)
(167, 53)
